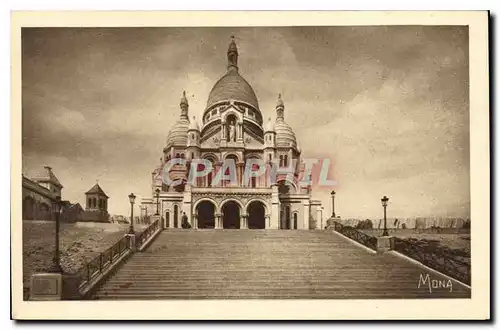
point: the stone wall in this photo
(410, 223)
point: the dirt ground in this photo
(78, 244)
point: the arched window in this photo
(285, 160)
(281, 160)
(270, 157)
(89, 203)
(192, 155)
(209, 179)
(192, 136)
(94, 202)
(177, 155)
(182, 156)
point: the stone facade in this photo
(38, 195)
(232, 130)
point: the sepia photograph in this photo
(251, 163)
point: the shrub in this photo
(365, 224)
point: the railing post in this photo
(100, 262)
(87, 265)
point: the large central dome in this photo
(232, 86)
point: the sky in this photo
(388, 105)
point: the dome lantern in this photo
(184, 105)
(232, 56)
(280, 108)
(177, 136)
(285, 137)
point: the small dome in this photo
(232, 86)
(285, 137)
(178, 133)
(193, 125)
(269, 126)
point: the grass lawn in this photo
(78, 244)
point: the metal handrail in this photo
(103, 261)
(358, 236)
(147, 233)
(440, 259)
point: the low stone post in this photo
(384, 243)
(131, 242)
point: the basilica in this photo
(232, 128)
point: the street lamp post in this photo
(131, 198)
(157, 201)
(333, 203)
(56, 260)
(384, 201)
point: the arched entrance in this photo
(286, 219)
(231, 215)
(167, 219)
(256, 215)
(176, 216)
(206, 215)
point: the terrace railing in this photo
(441, 260)
(358, 236)
(147, 233)
(103, 261)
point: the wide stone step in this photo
(225, 264)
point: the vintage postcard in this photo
(250, 165)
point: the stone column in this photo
(218, 166)
(186, 206)
(240, 132)
(240, 173)
(195, 221)
(218, 221)
(305, 224)
(268, 221)
(244, 221)
(275, 208)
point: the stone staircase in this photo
(244, 264)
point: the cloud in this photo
(388, 104)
